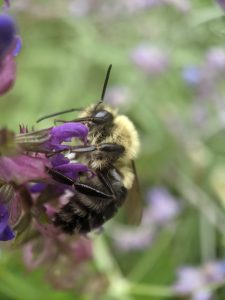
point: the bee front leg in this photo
(79, 186)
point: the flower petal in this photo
(23, 168)
(67, 131)
(7, 73)
(7, 234)
(4, 216)
(7, 33)
(72, 170)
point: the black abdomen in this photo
(84, 213)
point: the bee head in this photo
(102, 117)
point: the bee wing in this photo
(133, 203)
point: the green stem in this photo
(151, 290)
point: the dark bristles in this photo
(106, 82)
(58, 113)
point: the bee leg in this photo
(58, 176)
(90, 191)
(58, 113)
(79, 186)
(103, 176)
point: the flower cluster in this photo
(24, 177)
(30, 197)
(194, 282)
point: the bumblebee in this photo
(111, 148)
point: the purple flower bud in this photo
(6, 233)
(7, 33)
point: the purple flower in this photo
(7, 3)
(6, 233)
(193, 281)
(150, 59)
(65, 133)
(10, 45)
(118, 96)
(72, 170)
(162, 207)
(7, 33)
(127, 239)
(215, 59)
(23, 168)
(192, 75)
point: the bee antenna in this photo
(106, 82)
(58, 113)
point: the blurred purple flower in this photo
(132, 6)
(192, 75)
(215, 59)
(6, 232)
(10, 45)
(23, 168)
(162, 207)
(194, 281)
(150, 59)
(80, 8)
(6, 3)
(7, 33)
(118, 96)
(130, 239)
(221, 3)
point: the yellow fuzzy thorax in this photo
(123, 133)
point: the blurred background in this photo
(168, 76)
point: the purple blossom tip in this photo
(65, 133)
(7, 33)
(6, 233)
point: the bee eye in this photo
(103, 117)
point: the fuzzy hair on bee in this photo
(112, 146)
(118, 131)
